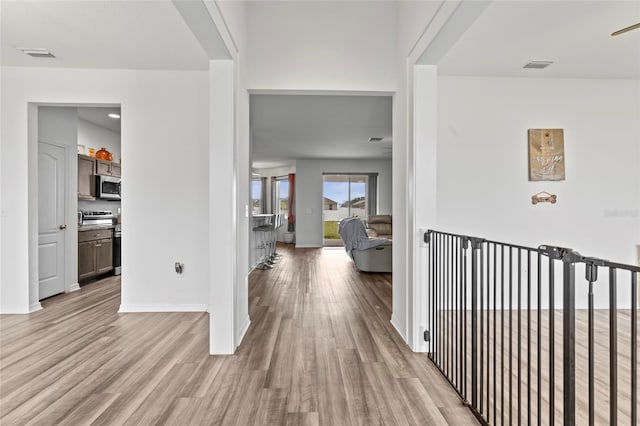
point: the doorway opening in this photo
(65, 138)
(345, 195)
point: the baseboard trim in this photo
(74, 287)
(35, 307)
(243, 331)
(308, 246)
(163, 308)
(394, 323)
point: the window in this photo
(346, 195)
(257, 189)
(281, 196)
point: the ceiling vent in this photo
(538, 65)
(375, 139)
(36, 52)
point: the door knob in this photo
(62, 226)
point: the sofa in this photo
(379, 226)
(370, 254)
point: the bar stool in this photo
(262, 244)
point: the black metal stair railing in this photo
(502, 329)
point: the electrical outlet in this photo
(179, 267)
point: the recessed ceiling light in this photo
(36, 52)
(113, 115)
(538, 65)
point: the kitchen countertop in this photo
(94, 227)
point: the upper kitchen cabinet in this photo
(86, 182)
(108, 168)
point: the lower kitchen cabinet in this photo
(95, 253)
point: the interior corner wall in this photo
(164, 141)
(308, 196)
(483, 187)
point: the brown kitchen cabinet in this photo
(95, 253)
(108, 168)
(86, 182)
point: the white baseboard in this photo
(308, 246)
(394, 323)
(35, 307)
(242, 331)
(74, 287)
(163, 308)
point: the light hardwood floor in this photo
(320, 351)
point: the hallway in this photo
(320, 351)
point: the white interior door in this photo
(51, 219)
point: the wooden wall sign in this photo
(546, 154)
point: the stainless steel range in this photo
(96, 217)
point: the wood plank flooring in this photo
(320, 351)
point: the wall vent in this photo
(36, 52)
(538, 65)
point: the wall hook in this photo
(543, 197)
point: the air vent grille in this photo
(36, 52)
(538, 65)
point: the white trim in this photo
(394, 323)
(34, 307)
(292, 92)
(163, 308)
(308, 246)
(73, 287)
(243, 330)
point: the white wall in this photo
(164, 143)
(483, 187)
(92, 136)
(319, 45)
(308, 193)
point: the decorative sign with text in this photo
(546, 154)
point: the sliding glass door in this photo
(345, 195)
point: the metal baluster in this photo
(474, 325)
(634, 347)
(591, 276)
(511, 334)
(481, 329)
(552, 333)
(539, 340)
(457, 311)
(519, 334)
(495, 335)
(528, 337)
(613, 347)
(502, 333)
(464, 313)
(569, 338)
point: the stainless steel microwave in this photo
(108, 187)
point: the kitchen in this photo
(76, 254)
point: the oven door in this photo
(108, 187)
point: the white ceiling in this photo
(575, 35)
(285, 128)
(102, 34)
(100, 117)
